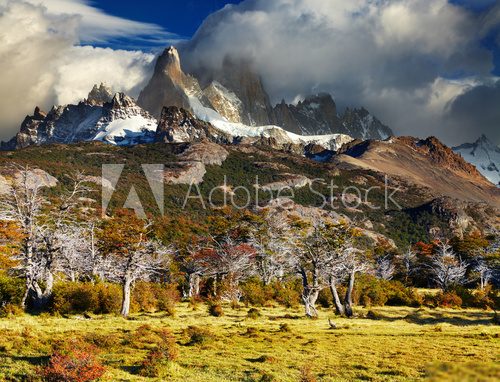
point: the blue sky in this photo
(181, 17)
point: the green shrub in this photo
(482, 299)
(10, 310)
(284, 293)
(198, 336)
(11, 290)
(109, 298)
(78, 298)
(325, 299)
(371, 291)
(74, 298)
(288, 293)
(154, 297)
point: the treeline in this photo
(58, 254)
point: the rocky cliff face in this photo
(318, 114)
(99, 95)
(315, 115)
(359, 123)
(179, 125)
(169, 86)
(246, 93)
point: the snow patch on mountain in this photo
(330, 141)
(128, 131)
(485, 155)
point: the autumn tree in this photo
(133, 254)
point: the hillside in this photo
(207, 164)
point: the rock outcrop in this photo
(318, 114)
(99, 95)
(179, 125)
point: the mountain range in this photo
(231, 106)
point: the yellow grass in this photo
(404, 344)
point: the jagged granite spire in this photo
(99, 95)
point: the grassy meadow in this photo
(394, 344)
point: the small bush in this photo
(371, 291)
(288, 294)
(253, 313)
(10, 310)
(257, 294)
(482, 299)
(198, 336)
(252, 332)
(78, 298)
(74, 362)
(215, 309)
(102, 341)
(154, 297)
(449, 300)
(371, 315)
(109, 297)
(11, 290)
(74, 298)
(166, 352)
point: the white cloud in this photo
(41, 63)
(97, 26)
(392, 56)
(122, 70)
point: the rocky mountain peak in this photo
(121, 100)
(99, 95)
(38, 114)
(168, 86)
(483, 154)
(169, 62)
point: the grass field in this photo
(401, 344)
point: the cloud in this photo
(477, 109)
(95, 26)
(42, 64)
(405, 60)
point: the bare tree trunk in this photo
(127, 290)
(348, 295)
(309, 296)
(339, 308)
(194, 285)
